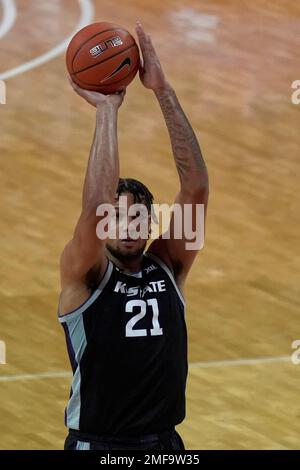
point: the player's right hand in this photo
(97, 99)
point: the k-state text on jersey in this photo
(154, 286)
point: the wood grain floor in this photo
(232, 64)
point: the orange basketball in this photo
(103, 57)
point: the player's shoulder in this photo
(157, 251)
(75, 294)
(169, 274)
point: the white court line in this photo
(241, 362)
(41, 375)
(203, 365)
(86, 16)
(9, 16)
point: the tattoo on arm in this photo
(187, 153)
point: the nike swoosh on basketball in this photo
(125, 62)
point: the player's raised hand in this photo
(151, 73)
(98, 99)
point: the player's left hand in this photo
(151, 73)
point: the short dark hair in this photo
(140, 192)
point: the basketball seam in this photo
(108, 84)
(92, 37)
(91, 66)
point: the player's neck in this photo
(129, 266)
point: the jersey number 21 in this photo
(142, 304)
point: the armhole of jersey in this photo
(91, 299)
(169, 273)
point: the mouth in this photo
(128, 241)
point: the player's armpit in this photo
(84, 251)
(179, 246)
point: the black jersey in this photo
(128, 350)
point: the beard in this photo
(127, 256)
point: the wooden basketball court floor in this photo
(232, 64)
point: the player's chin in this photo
(132, 247)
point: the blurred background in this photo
(232, 65)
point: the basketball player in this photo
(122, 309)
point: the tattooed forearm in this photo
(187, 154)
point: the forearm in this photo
(102, 175)
(186, 150)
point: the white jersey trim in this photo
(80, 445)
